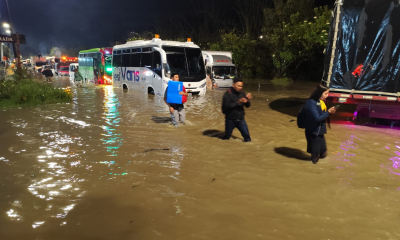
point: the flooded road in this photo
(111, 166)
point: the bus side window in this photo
(126, 57)
(157, 63)
(135, 57)
(147, 58)
(92, 59)
(117, 58)
(100, 61)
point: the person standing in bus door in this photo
(233, 103)
(209, 81)
(316, 115)
(177, 111)
(77, 77)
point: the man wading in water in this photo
(233, 103)
(177, 111)
(77, 78)
(48, 74)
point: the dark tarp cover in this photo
(367, 56)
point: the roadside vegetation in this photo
(26, 90)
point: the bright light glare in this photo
(8, 31)
(6, 25)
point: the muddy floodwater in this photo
(110, 165)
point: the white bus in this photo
(147, 66)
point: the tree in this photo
(243, 51)
(295, 33)
(133, 36)
(251, 16)
(7, 51)
(55, 51)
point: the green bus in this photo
(95, 65)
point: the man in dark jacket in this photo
(233, 103)
(48, 74)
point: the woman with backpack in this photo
(315, 115)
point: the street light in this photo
(8, 31)
(6, 25)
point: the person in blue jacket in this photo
(316, 115)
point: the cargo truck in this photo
(220, 68)
(362, 64)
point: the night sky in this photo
(89, 23)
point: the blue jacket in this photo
(315, 117)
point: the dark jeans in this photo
(241, 125)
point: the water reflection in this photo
(13, 214)
(58, 152)
(394, 167)
(112, 118)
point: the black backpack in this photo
(301, 118)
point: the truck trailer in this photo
(38, 63)
(362, 60)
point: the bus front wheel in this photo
(150, 90)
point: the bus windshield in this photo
(108, 64)
(220, 71)
(187, 62)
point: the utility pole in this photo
(11, 29)
(1, 46)
(16, 49)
